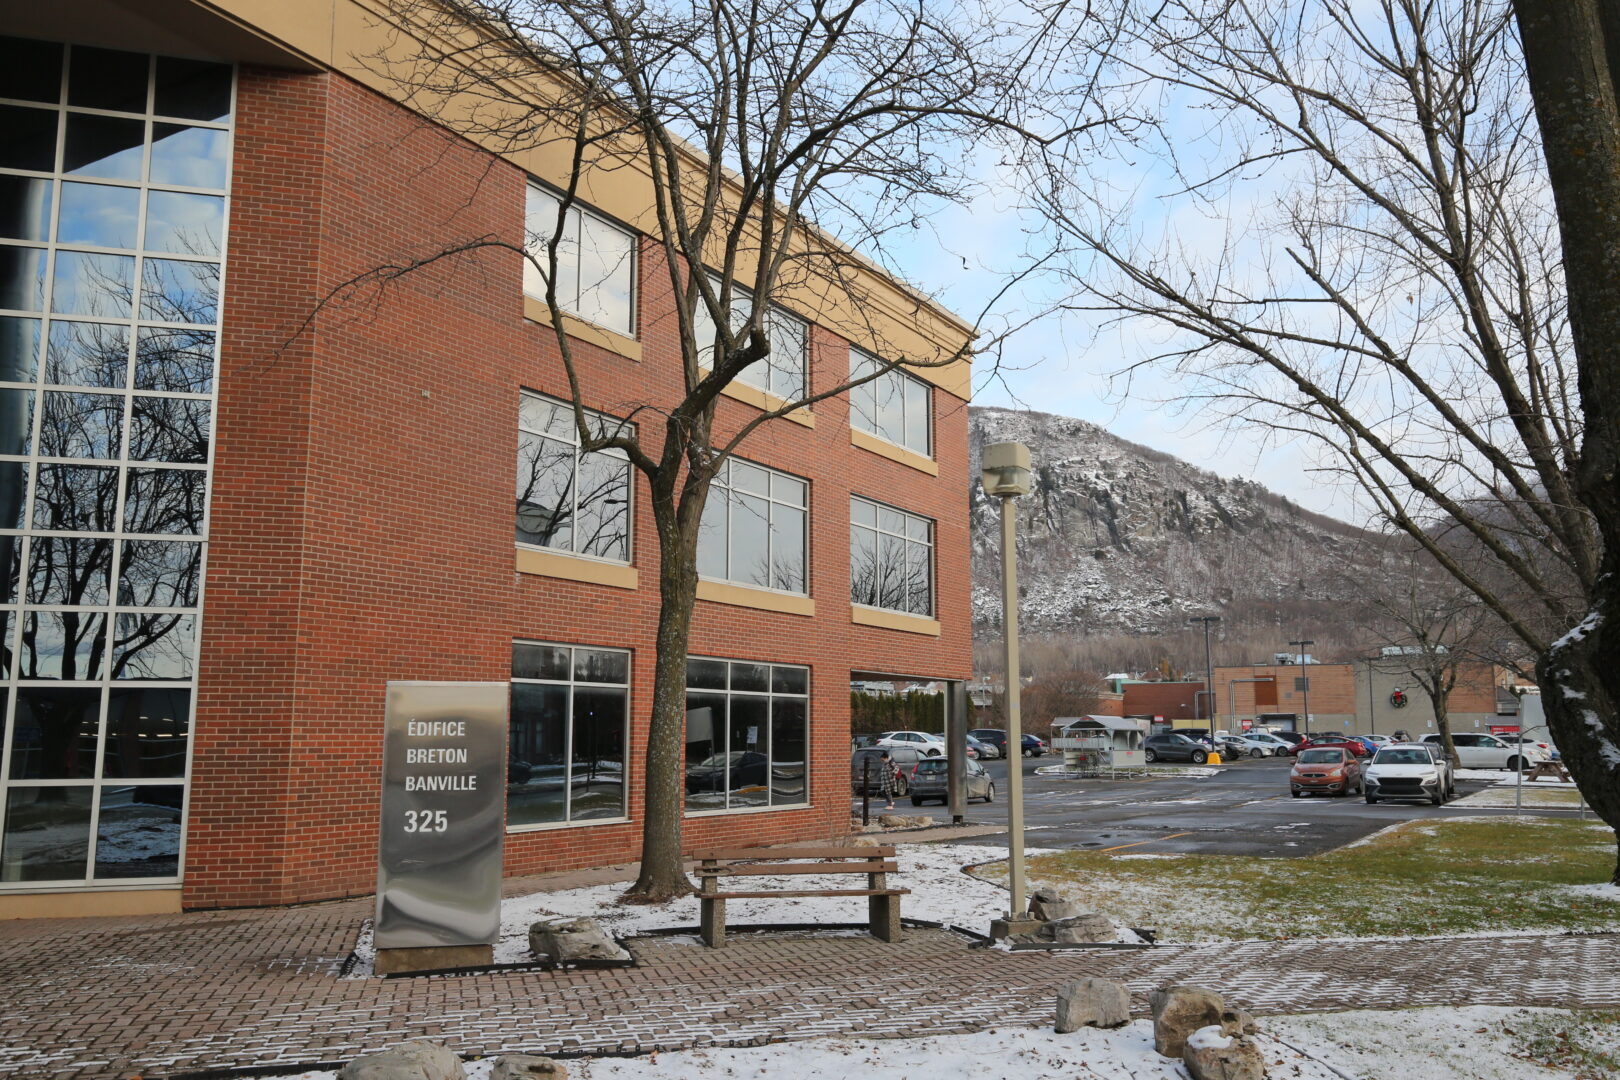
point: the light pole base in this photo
(1008, 926)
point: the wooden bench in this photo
(1552, 770)
(883, 903)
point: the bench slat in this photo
(773, 869)
(797, 853)
(802, 892)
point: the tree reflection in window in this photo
(566, 500)
(891, 558)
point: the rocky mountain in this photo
(1118, 538)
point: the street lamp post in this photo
(1209, 673)
(1004, 471)
(1301, 645)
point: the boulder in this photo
(1092, 1003)
(864, 841)
(1178, 1011)
(1078, 929)
(526, 1067)
(407, 1061)
(1209, 1055)
(904, 821)
(1048, 906)
(566, 940)
(1238, 1022)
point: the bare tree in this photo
(1376, 270)
(1062, 693)
(759, 133)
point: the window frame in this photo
(569, 822)
(776, 316)
(574, 487)
(769, 695)
(728, 490)
(879, 532)
(861, 359)
(533, 243)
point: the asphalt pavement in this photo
(1243, 809)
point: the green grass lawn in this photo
(1426, 877)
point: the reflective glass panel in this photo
(750, 677)
(749, 751)
(787, 548)
(89, 284)
(180, 292)
(16, 421)
(596, 773)
(165, 501)
(10, 567)
(54, 737)
(107, 79)
(13, 491)
(706, 674)
(189, 156)
(30, 141)
(790, 680)
(81, 425)
(169, 429)
(750, 539)
(539, 661)
(30, 70)
(176, 360)
(69, 570)
(146, 732)
(106, 146)
(601, 666)
(711, 545)
(25, 207)
(22, 277)
(76, 498)
(537, 762)
(47, 835)
(192, 89)
(790, 759)
(87, 354)
(545, 492)
(19, 350)
(66, 645)
(99, 215)
(154, 645)
(138, 831)
(184, 223)
(706, 766)
(603, 521)
(159, 573)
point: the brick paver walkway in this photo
(168, 994)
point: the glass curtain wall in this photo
(114, 171)
(747, 735)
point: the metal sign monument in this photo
(439, 860)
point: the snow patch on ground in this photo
(1602, 892)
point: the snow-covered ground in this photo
(940, 892)
(1472, 1043)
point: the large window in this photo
(567, 500)
(783, 371)
(891, 556)
(595, 262)
(570, 718)
(893, 406)
(113, 188)
(747, 735)
(753, 530)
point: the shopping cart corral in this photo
(1097, 745)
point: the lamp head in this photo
(1004, 469)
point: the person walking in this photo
(886, 778)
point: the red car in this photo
(1333, 742)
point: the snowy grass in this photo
(1502, 796)
(1472, 1043)
(1423, 878)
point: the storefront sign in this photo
(439, 862)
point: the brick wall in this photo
(1172, 700)
(361, 525)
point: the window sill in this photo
(763, 400)
(894, 452)
(576, 568)
(553, 826)
(611, 340)
(744, 810)
(720, 592)
(893, 620)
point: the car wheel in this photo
(1515, 764)
(901, 787)
(1199, 757)
(1150, 755)
(1257, 753)
(915, 801)
(1297, 793)
(1372, 798)
(1437, 798)
(990, 796)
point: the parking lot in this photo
(1243, 809)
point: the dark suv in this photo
(932, 781)
(994, 736)
(903, 756)
(1173, 748)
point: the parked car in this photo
(1409, 771)
(1173, 747)
(858, 741)
(982, 750)
(1275, 746)
(996, 737)
(1381, 740)
(1292, 738)
(1333, 770)
(1540, 743)
(1355, 746)
(904, 757)
(930, 744)
(1488, 752)
(1244, 746)
(932, 781)
(737, 770)
(1034, 745)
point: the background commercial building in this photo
(229, 515)
(1357, 698)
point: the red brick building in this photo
(293, 505)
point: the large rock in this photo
(1048, 906)
(1080, 928)
(905, 821)
(1209, 1055)
(407, 1061)
(1178, 1011)
(526, 1067)
(1238, 1022)
(567, 940)
(1092, 1003)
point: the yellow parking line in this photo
(1139, 843)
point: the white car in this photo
(1274, 746)
(1488, 752)
(1247, 746)
(1408, 771)
(929, 744)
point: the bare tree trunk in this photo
(1439, 700)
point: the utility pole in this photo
(1301, 645)
(1209, 676)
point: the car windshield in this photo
(1321, 757)
(1402, 757)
